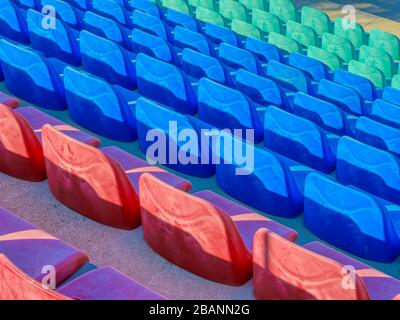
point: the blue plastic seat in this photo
(299, 139)
(351, 219)
(174, 18)
(145, 6)
(378, 135)
(218, 34)
(113, 10)
(314, 68)
(292, 78)
(165, 83)
(263, 50)
(226, 108)
(261, 90)
(236, 58)
(32, 77)
(347, 98)
(198, 65)
(106, 59)
(362, 85)
(386, 112)
(80, 4)
(391, 95)
(368, 168)
(12, 22)
(185, 38)
(59, 42)
(66, 12)
(99, 107)
(28, 4)
(171, 127)
(325, 114)
(151, 24)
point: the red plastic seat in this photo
(201, 233)
(95, 182)
(284, 270)
(21, 153)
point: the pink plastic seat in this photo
(8, 100)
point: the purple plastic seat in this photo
(107, 284)
(30, 249)
(246, 221)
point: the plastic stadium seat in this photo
(264, 51)
(231, 9)
(391, 95)
(299, 139)
(284, 270)
(377, 58)
(207, 4)
(330, 208)
(316, 19)
(378, 135)
(347, 98)
(359, 83)
(39, 249)
(151, 24)
(97, 106)
(386, 112)
(396, 82)
(314, 68)
(373, 74)
(185, 38)
(32, 77)
(337, 45)
(282, 42)
(12, 22)
(156, 121)
(165, 83)
(209, 235)
(174, 18)
(112, 9)
(293, 78)
(218, 34)
(145, 6)
(225, 107)
(81, 4)
(368, 168)
(266, 21)
(385, 41)
(199, 65)
(304, 35)
(254, 4)
(330, 59)
(177, 5)
(106, 59)
(245, 29)
(66, 12)
(266, 181)
(355, 35)
(209, 16)
(327, 115)
(20, 141)
(261, 90)
(9, 101)
(100, 184)
(283, 9)
(236, 58)
(27, 4)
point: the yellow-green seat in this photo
(337, 45)
(302, 34)
(356, 35)
(266, 21)
(385, 41)
(210, 16)
(177, 5)
(396, 81)
(208, 4)
(283, 9)
(254, 4)
(315, 19)
(326, 57)
(231, 9)
(369, 72)
(283, 42)
(377, 58)
(245, 29)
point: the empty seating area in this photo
(83, 94)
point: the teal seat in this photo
(304, 35)
(245, 29)
(283, 9)
(206, 15)
(254, 4)
(231, 9)
(266, 21)
(207, 4)
(377, 58)
(385, 41)
(396, 81)
(330, 59)
(315, 19)
(283, 42)
(371, 73)
(355, 35)
(337, 45)
(177, 5)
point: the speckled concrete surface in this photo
(125, 250)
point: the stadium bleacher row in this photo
(323, 101)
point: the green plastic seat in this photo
(396, 81)
(371, 73)
(177, 5)
(356, 36)
(337, 45)
(266, 21)
(283, 42)
(245, 29)
(283, 9)
(377, 58)
(317, 20)
(254, 4)
(326, 57)
(302, 34)
(385, 41)
(207, 4)
(209, 16)
(231, 9)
